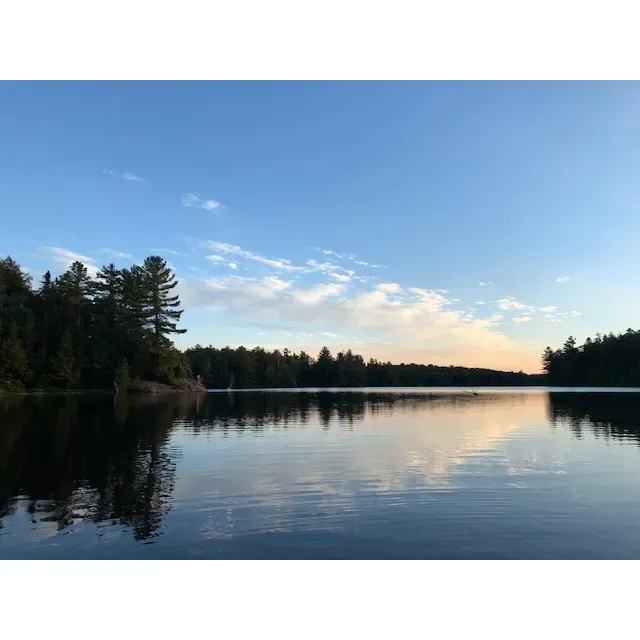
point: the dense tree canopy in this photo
(77, 332)
(258, 368)
(606, 361)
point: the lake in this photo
(361, 474)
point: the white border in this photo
(293, 39)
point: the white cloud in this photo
(496, 317)
(317, 293)
(563, 278)
(389, 287)
(511, 304)
(170, 251)
(415, 316)
(129, 176)
(281, 264)
(550, 312)
(328, 252)
(480, 302)
(368, 264)
(488, 283)
(232, 249)
(66, 258)
(117, 254)
(220, 260)
(327, 267)
(194, 200)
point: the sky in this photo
(447, 223)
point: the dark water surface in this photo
(375, 474)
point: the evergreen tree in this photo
(74, 331)
(160, 308)
(75, 286)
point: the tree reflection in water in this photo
(92, 458)
(608, 415)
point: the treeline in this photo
(256, 368)
(77, 332)
(606, 361)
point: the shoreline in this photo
(142, 388)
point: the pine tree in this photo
(160, 308)
(75, 286)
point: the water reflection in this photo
(81, 458)
(275, 474)
(70, 459)
(608, 415)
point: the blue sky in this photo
(423, 222)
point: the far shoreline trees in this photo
(78, 332)
(257, 368)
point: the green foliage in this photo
(608, 361)
(159, 308)
(75, 332)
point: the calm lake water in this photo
(430, 473)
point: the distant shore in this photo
(143, 387)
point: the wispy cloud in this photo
(194, 200)
(232, 249)
(66, 258)
(363, 263)
(563, 278)
(480, 302)
(329, 268)
(117, 254)
(332, 270)
(328, 252)
(348, 256)
(550, 313)
(487, 283)
(169, 251)
(129, 176)
(215, 259)
(511, 304)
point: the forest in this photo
(256, 368)
(605, 361)
(77, 332)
